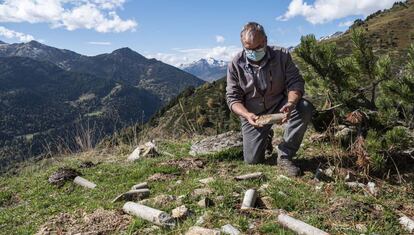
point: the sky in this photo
(174, 31)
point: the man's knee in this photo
(252, 154)
(305, 108)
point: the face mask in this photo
(255, 55)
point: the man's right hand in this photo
(240, 110)
(251, 117)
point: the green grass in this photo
(27, 200)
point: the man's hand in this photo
(287, 109)
(251, 117)
(240, 110)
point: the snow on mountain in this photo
(334, 35)
(208, 69)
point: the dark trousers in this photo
(255, 139)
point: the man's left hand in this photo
(287, 109)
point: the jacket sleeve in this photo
(293, 79)
(234, 93)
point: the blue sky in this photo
(174, 31)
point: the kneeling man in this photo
(262, 80)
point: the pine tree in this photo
(378, 102)
(396, 103)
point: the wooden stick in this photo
(255, 175)
(271, 119)
(140, 186)
(249, 199)
(298, 226)
(149, 214)
(84, 182)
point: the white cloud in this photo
(322, 11)
(99, 15)
(100, 43)
(346, 23)
(220, 39)
(11, 34)
(184, 56)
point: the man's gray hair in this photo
(251, 30)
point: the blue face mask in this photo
(255, 55)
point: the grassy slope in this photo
(27, 200)
(391, 31)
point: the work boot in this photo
(287, 165)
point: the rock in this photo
(361, 228)
(345, 133)
(230, 229)
(202, 192)
(180, 199)
(62, 175)
(318, 137)
(196, 230)
(220, 198)
(217, 143)
(320, 175)
(161, 177)
(355, 184)
(200, 221)
(252, 225)
(180, 212)
(145, 150)
(319, 186)
(372, 189)
(263, 188)
(255, 175)
(407, 223)
(206, 180)
(266, 202)
(205, 202)
(350, 177)
(140, 186)
(330, 171)
(133, 195)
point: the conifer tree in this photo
(378, 102)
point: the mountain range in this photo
(47, 95)
(123, 65)
(208, 69)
